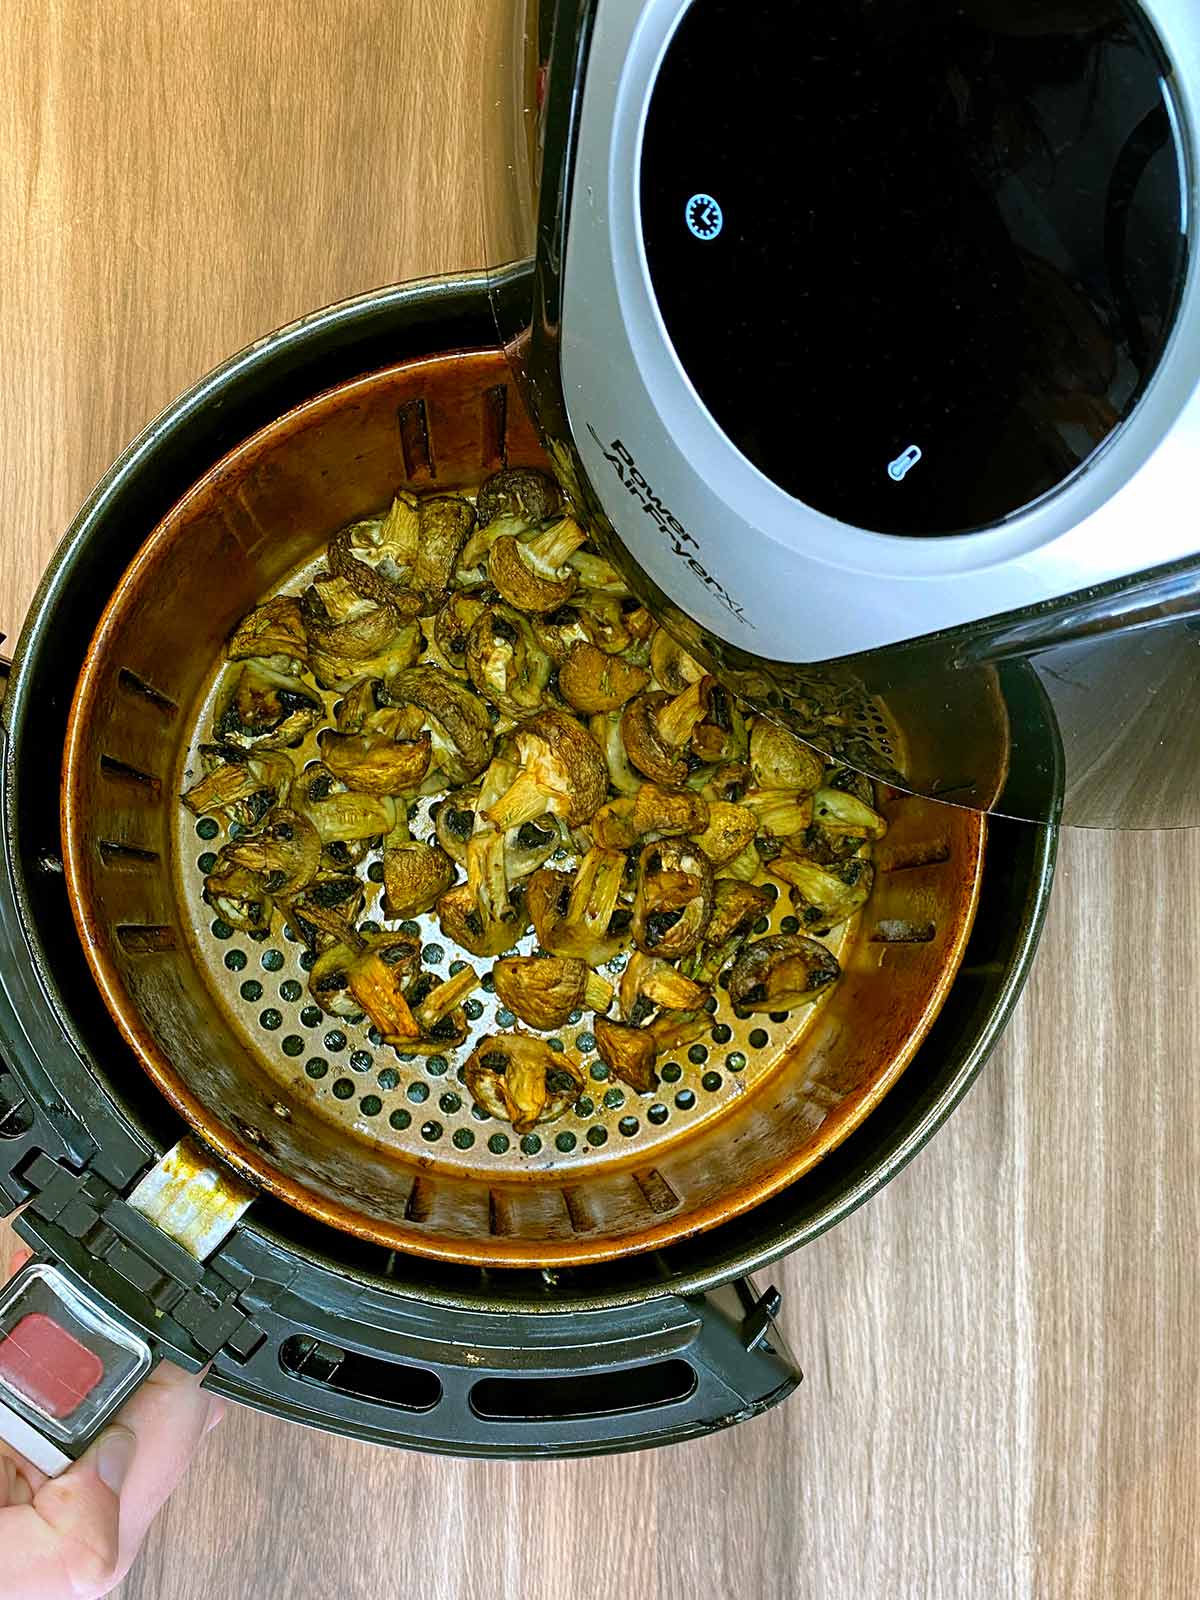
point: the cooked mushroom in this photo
(598, 575)
(458, 720)
(274, 630)
(372, 764)
(531, 573)
(845, 816)
(521, 1080)
(364, 708)
(605, 729)
(562, 772)
(324, 913)
(544, 990)
(286, 850)
(779, 813)
(573, 916)
(443, 524)
(454, 825)
(650, 984)
(346, 817)
(590, 681)
(352, 638)
(781, 761)
(376, 557)
(506, 663)
(657, 727)
(238, 895)
(453, 624)
(737, 906)
(588, 619)
(823, 897)
(674, 898)
(486, 914)
(730, 829)
(436, 1019)
(651, 811)
(720, 738)
(746, 866)
(782, 972)
(415, 875)
(628, 1053)
(265, 709)
(674, 670)
(240, 784)
(375, 980)
(521, 493)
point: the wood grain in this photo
(1001, 1349)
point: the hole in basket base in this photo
(598, 1394)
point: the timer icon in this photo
(704, 217)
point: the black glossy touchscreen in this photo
(920, 259)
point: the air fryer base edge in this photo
(66, 1133)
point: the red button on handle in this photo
(47, 1366)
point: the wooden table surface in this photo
(1001, 1350)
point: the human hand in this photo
(75, 1537)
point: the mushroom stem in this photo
(523, 801)
(443, 999)
(597, 994)
(554, 546)
(486, 874)
(595, 890)
(779, 812)
(679, 718)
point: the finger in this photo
(170, 1414)
(67, 1541)
(16, 1488)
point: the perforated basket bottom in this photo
(418, 1107)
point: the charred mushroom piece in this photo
(240, 784)
(543, 991)
(591, 681)
(651, 811)
(265, 709)
(781, 761)
(286, 850)
(531, 573)
(730, 829)
(415, 876)
(273, 630)
(238, 896)
(605, 729)
(674, 670)
(521, 1080)
(444, 521)
(562, 772)
(674, 898)
(779, 813)
(505, 662)
(520, 493)
(657, 728)
(650, 984)
(782, 972)
(376, 557)
(453, 626)
(458, 720)
(572, 916)
(371, 764)
(344, 818)
(628, 1053)
(823, 897)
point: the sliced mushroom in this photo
(844, 815)
(438, 1019)
(415, 876)
(264, 709)
(486, 915)
(240, 784)
(522, 493)
(651, 811)
(543, 991)
(605, 729)
(721, 737)
(674, 670)
(286, 850)
(458, 720)
(591, 681)
(274, 629)
(562, 772)
(531, 573)
(782, 972)
(521, 1080)
(324, 913)
(453, 625)
(674, 898)
(730, 829)
(781, 761)
(573, 915)
(823, 897)
(650, 984)
(779, 813)
(443, 524)
(372, 764)
(505, 662)
(239, 896)
(657, 728)
(375, 980)
(737, 906)
(629, 1053)
(588, 619)
(343, 818)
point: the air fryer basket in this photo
(392, 1152)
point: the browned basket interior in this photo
(131, 852)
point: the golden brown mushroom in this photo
(458, 720)
(415, 876)
(653, 811)
(544, 990)
(272, 630)
(453, 624)
(782, 972)
(674, 670)
(674, 898)
(238, 895)
(781, 761)
(591, 681)
(285, 849)
(521, 1080)
(505, 662)
(261, 708)
(650, 984)
(443, 524)
(373, 764)
(657, 727)
(605, 729)
(240, 784)
(628, 1053)
(561, 771)
(572, 915)
(823, 897)
(531, 573)
(730, 829)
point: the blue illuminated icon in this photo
(899, 469)
(704, 217)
